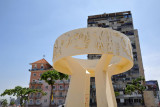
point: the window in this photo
(32, 87)
(54, 94)
(35, 66)
(34, 74)
(93, 86)
(136, 100)
(38, 87)
(60, 94)
(68, 80)
(39, 94)
(31, 95)
(129, 16)
(61, 87)
(38, 101)
(46, 87)
(42, 66)
(45, 100)
(61, 81)
(54, 87)
(60, 101)
(52, 102)
(134, 45)
(31, 101)
(40, 74)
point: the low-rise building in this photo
(153, 87)
(60, 87)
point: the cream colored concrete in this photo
(116, 58)
(149, 99)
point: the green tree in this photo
(116, 93)
(4, 103)
(50, 77)
(137, 85)
(12, 103)
(23, 93)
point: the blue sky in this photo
(29, 28)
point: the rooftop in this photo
(41, 61)
(110, 14)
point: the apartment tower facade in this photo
(122, 22)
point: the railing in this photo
(36, 82)
(35, 69)
(34, 103)
(60, 96)
(92, 22)
(38, 103)
(133, 95)
(38, 96)
(30, 103)
(129, 104)
(31, 96)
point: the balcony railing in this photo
(35, 69)
(36, 82)
(32, 96)
(30, 103)
(59, 96)
(38, 96)
(38, 103)
(34, 104)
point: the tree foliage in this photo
(12, 103)
(22, 93)
(4, 103)
(116, 93)
(50, 76)
(136, 86)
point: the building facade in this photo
(152, 85)
(59, 89)
(122, 22)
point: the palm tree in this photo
(50, 77)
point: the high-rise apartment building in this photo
(122, 22)
(60, 87)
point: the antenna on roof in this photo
(43, 56)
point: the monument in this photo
(116, 58)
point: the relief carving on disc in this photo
(104, 42)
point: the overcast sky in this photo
(29, 28)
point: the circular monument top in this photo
(93, 40)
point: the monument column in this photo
(79, 88)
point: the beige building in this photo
(122, 22)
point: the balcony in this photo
(31, 96)
(59, 96)
(35, 69)
(132, 95)
(30, 103)
(39, 104)
(36, 82)
(38, 96)
(92, 22)
(127, 24)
